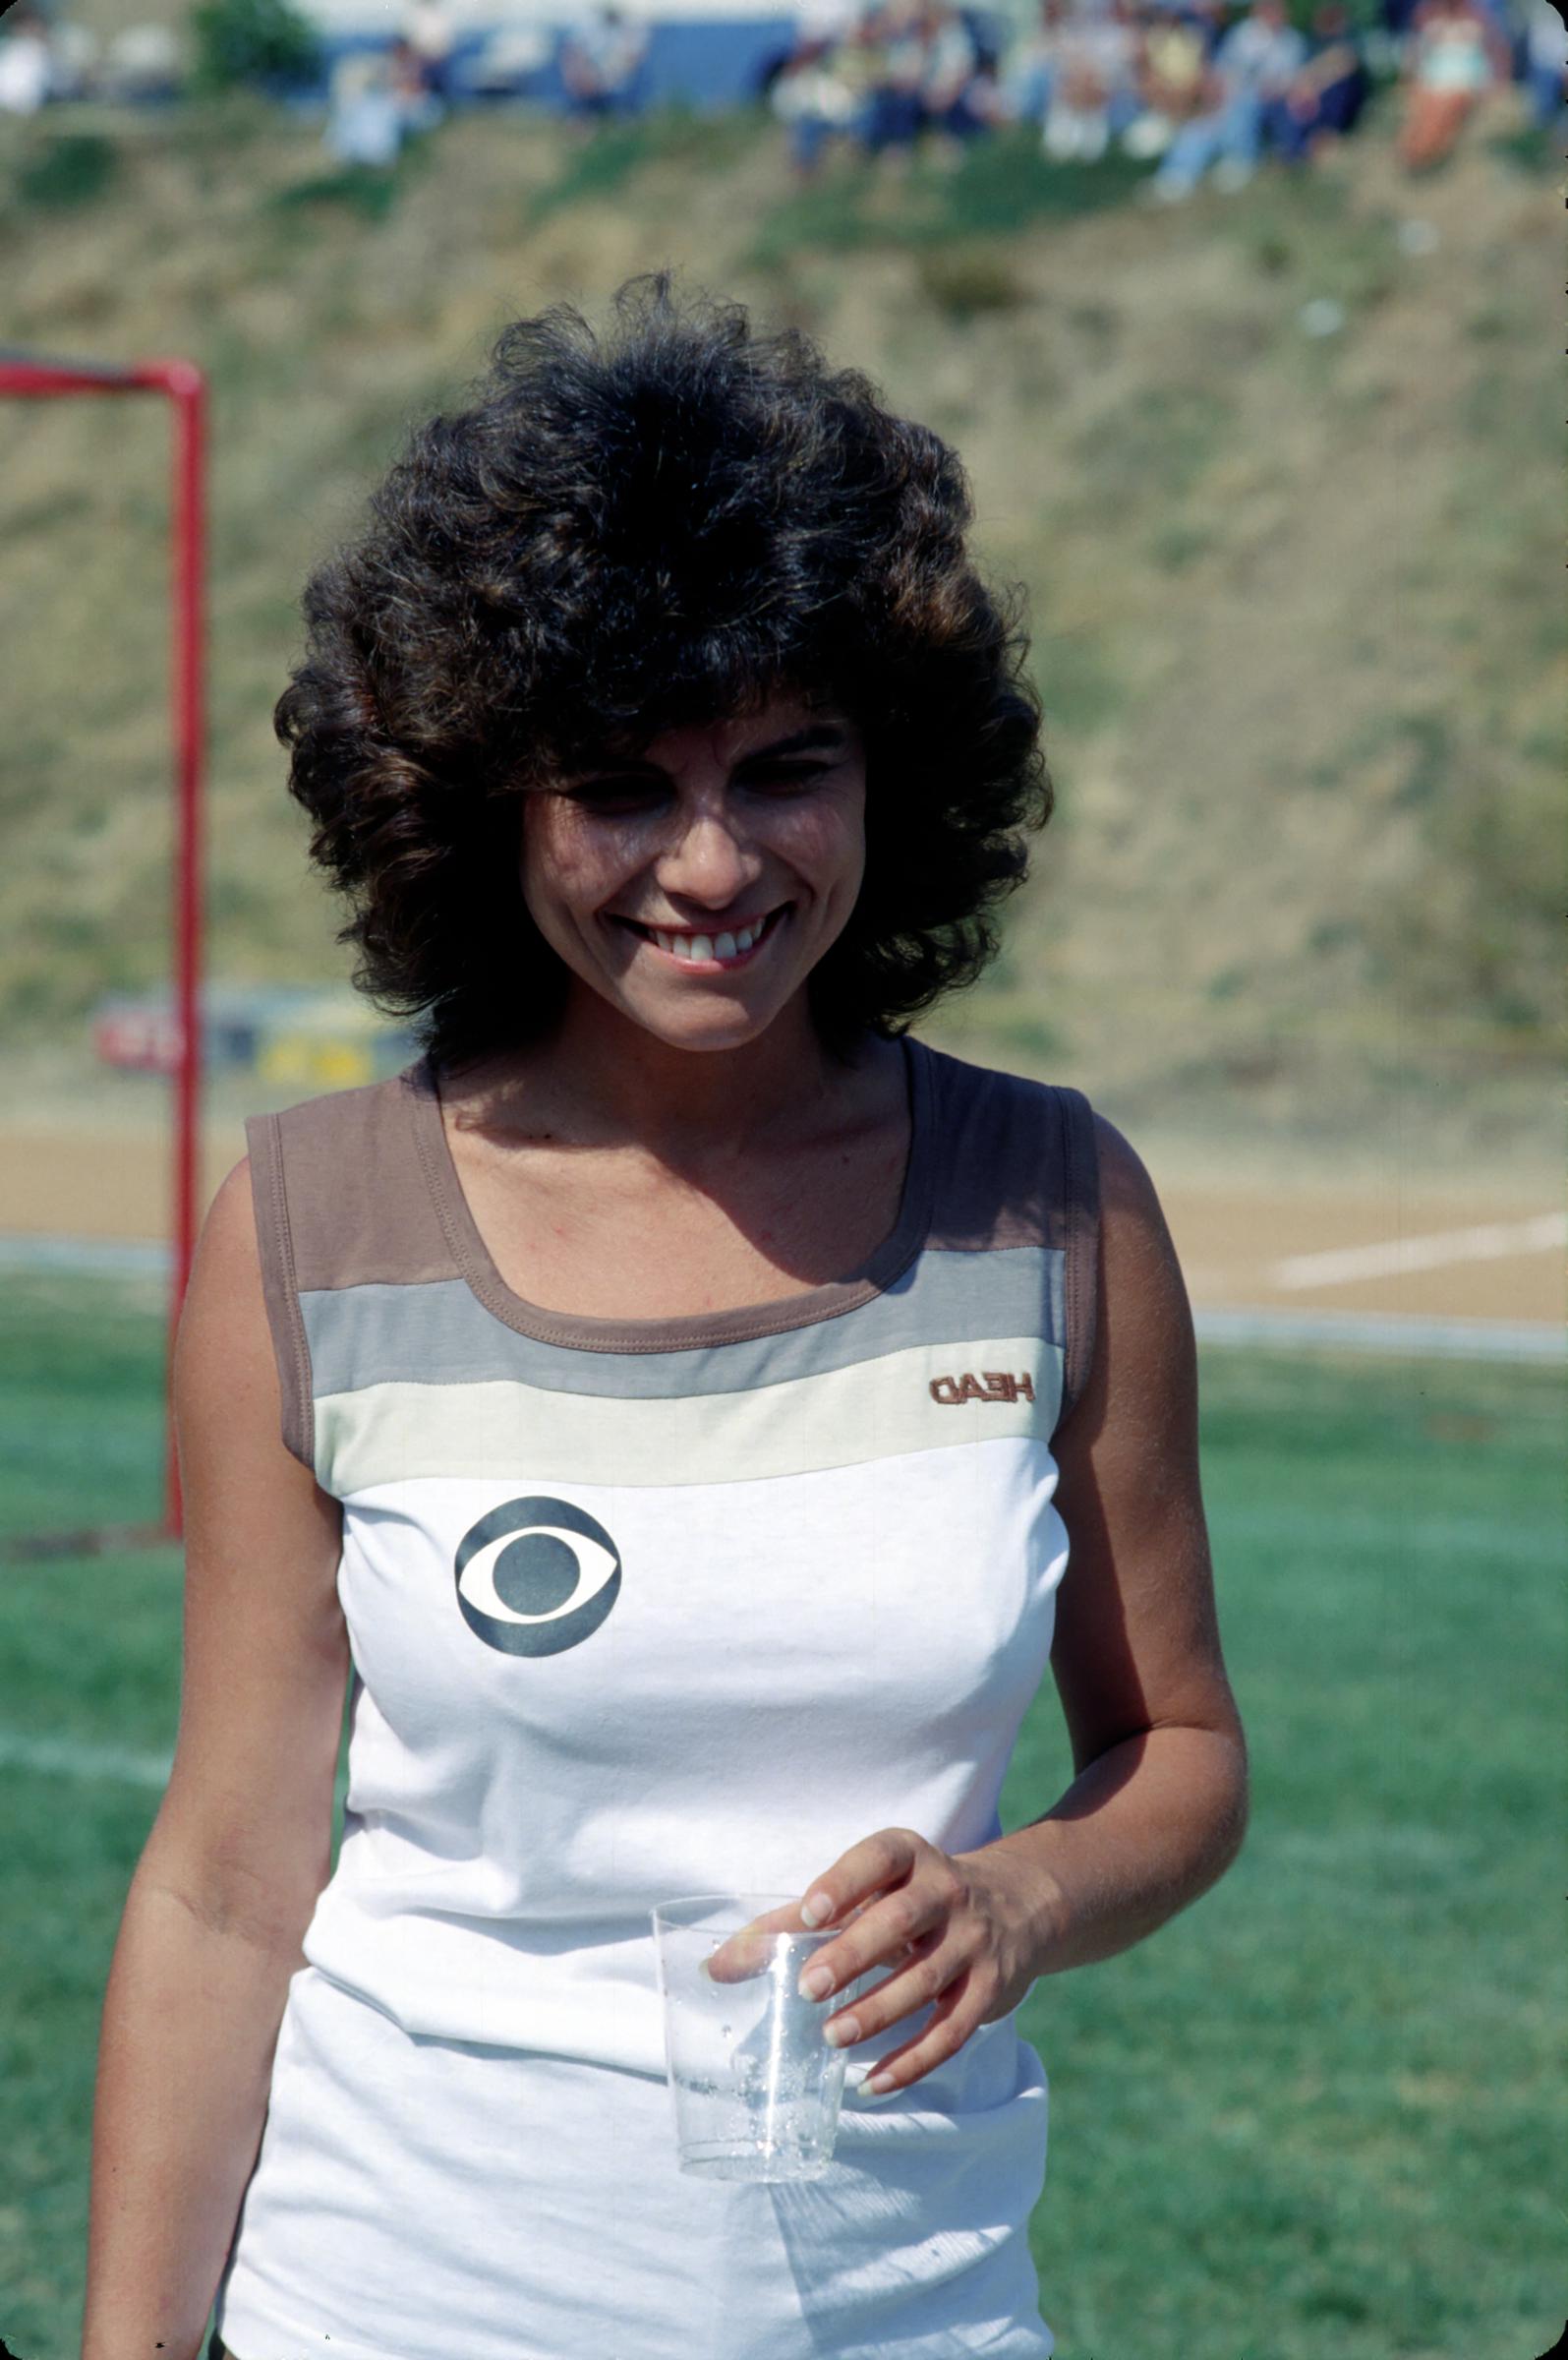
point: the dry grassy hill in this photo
(1295, 598)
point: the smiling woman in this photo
(687, 1410)
(613, 543)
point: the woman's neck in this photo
(599, 1078)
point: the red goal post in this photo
(34, 375)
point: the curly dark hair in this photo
(624, 535)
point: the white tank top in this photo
(641, 1608)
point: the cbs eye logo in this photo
(547, 1589)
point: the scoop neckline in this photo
(695, 1329)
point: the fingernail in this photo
(843, 2034)
(817, 1982)
(863, 2094)
(818, 1910)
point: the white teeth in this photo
(706, 946)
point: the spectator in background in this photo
(365, 113)
(142, 65)
(1095, 91)
(1546, 63)
(811, 96)
(1455, 59)
(1174, 80)
(27, 70)
(892, 47)
(428, 31)
(1032, 65)
(825, 20)
(601, 61)
(1255, 61)
(418, 104)
(1325, 99)
(959, 90)
(75, 56)
(817, 26)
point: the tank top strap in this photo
(340, 1201)
(1019, 1167)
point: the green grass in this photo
(68, 168)
(1003, 185)
(605, 159)
(1319, 2113)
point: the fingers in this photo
(885, 1930)
(866, 1869)
(952, 2021)
(928, 1967)
(749, 1951)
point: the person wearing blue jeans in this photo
(1253, 64)
(1545, 46)
(1327, 96)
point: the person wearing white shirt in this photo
(1094, 92)
(1254, 62)
(27, 74)
(600, 60)
(430, 35)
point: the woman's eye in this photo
(789, 774)
(612, 790)
(623, 795)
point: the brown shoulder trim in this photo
(361, 1213)
(1001, 1178)
(291, 1349)
(1080, 1201)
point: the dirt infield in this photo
(1451, 1253)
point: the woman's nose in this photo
(708, 859)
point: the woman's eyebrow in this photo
(820, 734)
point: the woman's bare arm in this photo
(242, 1842)
(1158, 1808)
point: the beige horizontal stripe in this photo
(842, 1418)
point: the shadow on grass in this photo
(1001, 184)
(612, 153)
(369, 190)
(69, 169)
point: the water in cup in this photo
(756, 2088)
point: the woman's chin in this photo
(700, 1027)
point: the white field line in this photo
(1400, 1542)
(91, 1257)
(64, 1757)
(1394, 1331)
(1391, 1258)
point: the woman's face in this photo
(642, 873)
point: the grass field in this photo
(1319, 2114)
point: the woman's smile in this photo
(717, 952)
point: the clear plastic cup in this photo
(755, 2087)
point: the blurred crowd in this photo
(1198, 89)
(1191, 85)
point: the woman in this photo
(671, 1397)
(1456, 57)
